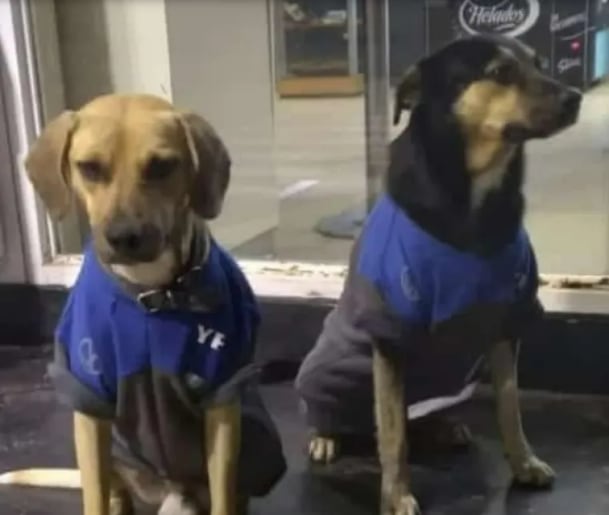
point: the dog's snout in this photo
(124, 236)
(133, 240)
(571, 99)
(555, 107)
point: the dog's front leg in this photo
(92, 438)
(391, 414)
(223, 445)
(526, 467)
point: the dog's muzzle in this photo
(559, 114)
(132, 241)
(570, 103)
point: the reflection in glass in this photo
(286, 84)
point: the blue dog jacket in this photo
(410, 293)
(154, 373)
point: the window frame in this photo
(299, 281)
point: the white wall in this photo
(137, 46)
(113, 46)
(220, 58)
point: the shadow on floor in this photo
(572, 434)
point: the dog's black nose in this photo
(131, 239)
(570, 100)
(123, 237)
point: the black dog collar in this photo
(186, 293)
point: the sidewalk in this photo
(322, 141)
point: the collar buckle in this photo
(156, 300)
(185, 294)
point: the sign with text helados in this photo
(510, 18)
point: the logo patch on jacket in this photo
(89, 358)
(408, 287)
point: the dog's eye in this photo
(503, 73)
(91, 171)
(159, 168)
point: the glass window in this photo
(293, 87)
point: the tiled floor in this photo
(573, 434)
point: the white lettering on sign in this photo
(510, 18)
(556, 24)
(567, 63)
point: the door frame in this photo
(12, 257)
(17, 265)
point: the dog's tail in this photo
(47, 478)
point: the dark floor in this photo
(573, 434)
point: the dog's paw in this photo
(406, 505)
(323, 449)
(533, 472)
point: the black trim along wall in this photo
(570, 354)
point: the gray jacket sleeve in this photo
(73, 393)
(362, 311)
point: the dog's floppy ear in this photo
(211, 163)
(407, 93)
(47, 167)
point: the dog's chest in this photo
(154, 371)
(427, 282)
(110, 338)
(484, 184)
(450, 306)
(186, 345)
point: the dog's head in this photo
(494, 87)
(139, 167)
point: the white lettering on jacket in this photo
(216, 338)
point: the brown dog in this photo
(442, 282)
(148, 177)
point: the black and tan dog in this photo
(443, 279)
(155, 346)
